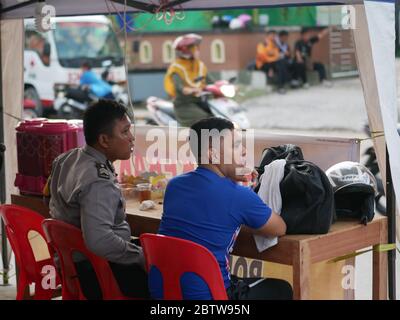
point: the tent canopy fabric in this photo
(12, 9)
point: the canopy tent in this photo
(12, 9)
(374, 36)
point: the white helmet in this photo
(354, 189)
(348, 173)
(183, 45)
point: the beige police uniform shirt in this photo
(84, 191)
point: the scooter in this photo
(29, 111)
(217, 98)
(72, 101)
(372, 164)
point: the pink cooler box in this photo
(39, 142)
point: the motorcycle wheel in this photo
(28, 114)
(31, 93)
(151, 122)
(372, 165)
(380, 204)
(67, 112)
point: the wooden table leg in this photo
(301, 272)
(379, 268)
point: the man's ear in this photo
(213, 156)
(104, 141)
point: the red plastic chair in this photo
(188, 257)
(19, 221)
(67, 239)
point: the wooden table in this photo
(299, 251)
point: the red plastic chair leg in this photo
(22, 284)
(42, 294)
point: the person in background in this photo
(282, 43)
(38, 44)
(268, 60)
(208, 206)
(302, 57)
(96, 85)
(285, 54)
(185, 79)
(84, 191)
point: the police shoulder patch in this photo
(102, 170)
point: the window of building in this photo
(218, 51)
(146, 52)
(168, 52)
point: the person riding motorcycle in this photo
(185, 79)
(96, 85)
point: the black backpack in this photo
(308, 205)
(285, 151)
(307, 195)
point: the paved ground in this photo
(339, 108)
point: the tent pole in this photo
(391, 214)
(397, 26)
(4, 247)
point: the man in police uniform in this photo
(85, 192)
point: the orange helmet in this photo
(184, 44)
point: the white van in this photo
(57, 55)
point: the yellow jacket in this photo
(188, 71)
(267, 52)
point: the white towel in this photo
(270, 193)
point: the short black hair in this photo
(86, 64)
(195, 137)
(305, 30)
(100, 117)
(283, 33)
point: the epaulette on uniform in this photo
(102, 170)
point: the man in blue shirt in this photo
(97, 86)
(208, 206)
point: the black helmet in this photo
(354, 188)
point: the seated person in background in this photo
(285, 54)
(268, 60)
(41, 47)
(97, 86)
(302, 57)
(84, 192)
(209, 207)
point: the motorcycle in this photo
(29, 111)
(217, 98)
(72, 101)
(372, 164)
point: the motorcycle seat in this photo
(78, 94)
(167, 109)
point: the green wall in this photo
(201, 20)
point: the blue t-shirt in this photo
(203, 207)
(98, 86)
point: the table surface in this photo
(132, 208)
(343, 237)
(154, 216)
